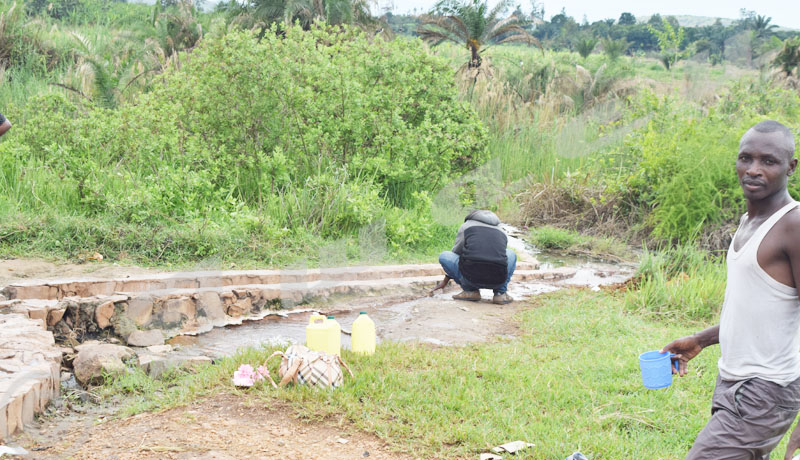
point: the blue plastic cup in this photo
(657, 369)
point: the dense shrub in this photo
(322, 131)
(678, 170)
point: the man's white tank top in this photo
(759, 331)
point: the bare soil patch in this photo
(220, 427)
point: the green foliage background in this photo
(315, 133)
(678, 169)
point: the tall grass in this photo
(681, 283)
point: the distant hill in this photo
(690, 21)
(697, 21)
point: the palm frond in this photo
(493, 30)
(70, 88)
(501, 7)
(440, 28)
(85, 44)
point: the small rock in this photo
(86, 345)
(92, 361)
(103, 314)
(158, 365)
(342, 441)
(55, 315)
(195, 361)
(146, 338)
(145, 361)
(159, 349)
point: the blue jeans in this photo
(449, 261)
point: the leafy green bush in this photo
(318, 132)
(678, 170)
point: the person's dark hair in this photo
(772, 126)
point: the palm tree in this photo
(305, 12)
(585, 45)
(762, 26)
(176, 27)
(107, 66)
(613, 49)
(472, 23)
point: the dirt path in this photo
(13, 270)
(221, 427)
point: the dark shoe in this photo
(472, 296)
(502, 299)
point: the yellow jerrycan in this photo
(317, 333)
(363, 334)
(334, 337)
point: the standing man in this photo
(757, 394)
(479, 259)
(5, 125)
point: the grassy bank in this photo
(570, 382)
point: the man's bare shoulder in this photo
(792, 218)
(789, 226)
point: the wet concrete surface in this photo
(413, 316)
(400, 317)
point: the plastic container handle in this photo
(674, 362)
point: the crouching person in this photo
(479, 259)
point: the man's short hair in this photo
(772, 126)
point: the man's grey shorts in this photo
(748, 419)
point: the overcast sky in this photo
(784, 13)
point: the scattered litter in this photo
(246, 376)
(464, 308)
(6, 450)
(576, 456)
(342, 441)
(490, 457)
(511, 447)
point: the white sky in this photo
(785, 13)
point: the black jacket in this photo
(481, 246)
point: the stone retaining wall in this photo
(30, 368)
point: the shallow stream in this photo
(409, 316)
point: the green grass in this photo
(574, 243)
(570, 382)
(216, 242)
(553, 238)
(681, 283)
